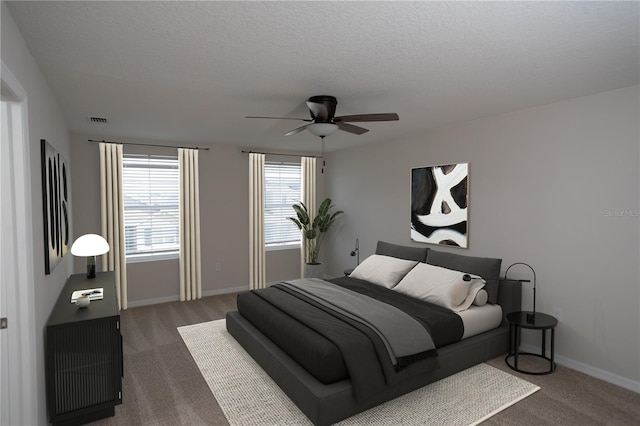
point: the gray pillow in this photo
(386, 271)
(487, 268)
(419, 254)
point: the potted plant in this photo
(313, 232)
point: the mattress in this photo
(478, 319)
(316, 354)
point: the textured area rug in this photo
(248, 396)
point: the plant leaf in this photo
(324, 207)
(301, 211)
(296, 221)
(336, 214)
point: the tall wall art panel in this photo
(439, 204)
(56, 208)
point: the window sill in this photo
(152, 257)
(282, 247)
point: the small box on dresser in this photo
(83, 354)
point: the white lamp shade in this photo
(322, 129)
(89, 245)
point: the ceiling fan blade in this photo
(392, 116)
(282, 118)
(297, 130)
(318, 111)
(351, 128)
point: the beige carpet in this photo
(248, 396)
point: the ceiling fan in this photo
(323, 121)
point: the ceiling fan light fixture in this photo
(322, 129)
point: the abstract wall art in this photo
(439, 204)
(55, 206)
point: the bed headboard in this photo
(418, 254)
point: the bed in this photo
(318, 374)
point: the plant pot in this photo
(314, 270)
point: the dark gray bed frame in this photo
(328, 404)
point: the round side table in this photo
(539, 321)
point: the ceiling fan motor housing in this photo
(325, 109)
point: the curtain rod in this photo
(284, 155)
(151, 144)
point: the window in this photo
(282, 187)
(151, 185)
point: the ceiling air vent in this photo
(98, 119)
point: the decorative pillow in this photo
(385, 271)
(487, 268)
(419, 254)
(440, 286)
(481, 298)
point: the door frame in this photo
(20, 283)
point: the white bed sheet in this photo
(478, 319)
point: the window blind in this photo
(282, 186)
(151, 186)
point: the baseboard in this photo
(157, 300)
(589, 370)
(218, 292)
(167, 299)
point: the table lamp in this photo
(90, 245)
(531, 316)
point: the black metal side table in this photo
(518, 321)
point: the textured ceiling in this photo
(189, 72)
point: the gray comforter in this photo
(401, 334)
(376, 354)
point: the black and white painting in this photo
(55, 206)
(439, 204)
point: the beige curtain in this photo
(308, 172)
(112, 216)
(190, 271)
(257, 275)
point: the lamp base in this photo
(531, 317)
(91, 267)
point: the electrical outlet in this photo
(218, 267)
(557, 312)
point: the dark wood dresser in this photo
(83, 354)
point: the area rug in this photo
(248, 396)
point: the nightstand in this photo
(543, 322)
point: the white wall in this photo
(555, 186)
(45, 122)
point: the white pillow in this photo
(481, 298)
(440, 286)
(385, 271)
